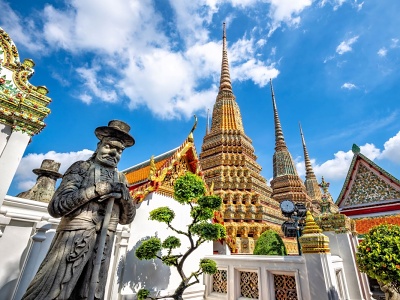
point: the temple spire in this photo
(225, 81)
(279, 139)
(307, 161)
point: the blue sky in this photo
(334, 64)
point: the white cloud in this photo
(348, 86)
(395, 43)
(286, 11)
(382, 52)
(391, 149)
(16, 27)
(256, 71)
(91, 80)
(345, 46)
(337, 3)
(24, 176)
(157, 63)
(337, 168)
(359, 6)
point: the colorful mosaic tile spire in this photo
(311, 183)
(228, 161)
(286, 184)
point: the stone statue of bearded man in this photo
(81, 202)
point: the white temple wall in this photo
(153, 274)
(26, 231)
(344, 245)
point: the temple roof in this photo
(23, 106)
(368, 187)
(159, 173)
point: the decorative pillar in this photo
(10, 159)
(23, 107)
(33, 260)
(321, 274)
(119, 258)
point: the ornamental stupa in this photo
(311, 183)
(286, 183)
(229, 165)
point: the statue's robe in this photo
(66, 271)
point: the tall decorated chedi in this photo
(23, 108)
(286, 183)
(229, 165)
(311, 182)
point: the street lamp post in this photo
(296, 213)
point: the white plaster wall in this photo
(265, 266)
(343, 245)
(154, 275)
(13, 249)
(20, 254)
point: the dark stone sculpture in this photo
(88, 190)
(45, 185)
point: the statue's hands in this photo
(122, 189)
(103, 188)
(117, 190)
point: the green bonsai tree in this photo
(379, 255)
(189, 190)
(270, 243)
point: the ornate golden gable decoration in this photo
(23, 106)
(163, 173)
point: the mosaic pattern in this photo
(229, 163)
(369, 187)
(220, 282)
(23, 106)
(312, 239)
(286, 184)
(249, 285)
(285, 287)
(159, 174)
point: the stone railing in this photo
(246, 277)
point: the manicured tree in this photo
(189, 190)
(270, 243)
(379, 255)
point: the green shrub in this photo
(189, 190)
(379, 255)
(270, 243)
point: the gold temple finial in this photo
(191, 138)
(279, 139)
(153, 169)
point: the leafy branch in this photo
(189, 190)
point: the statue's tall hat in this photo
(117, 129)
(48, 167)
